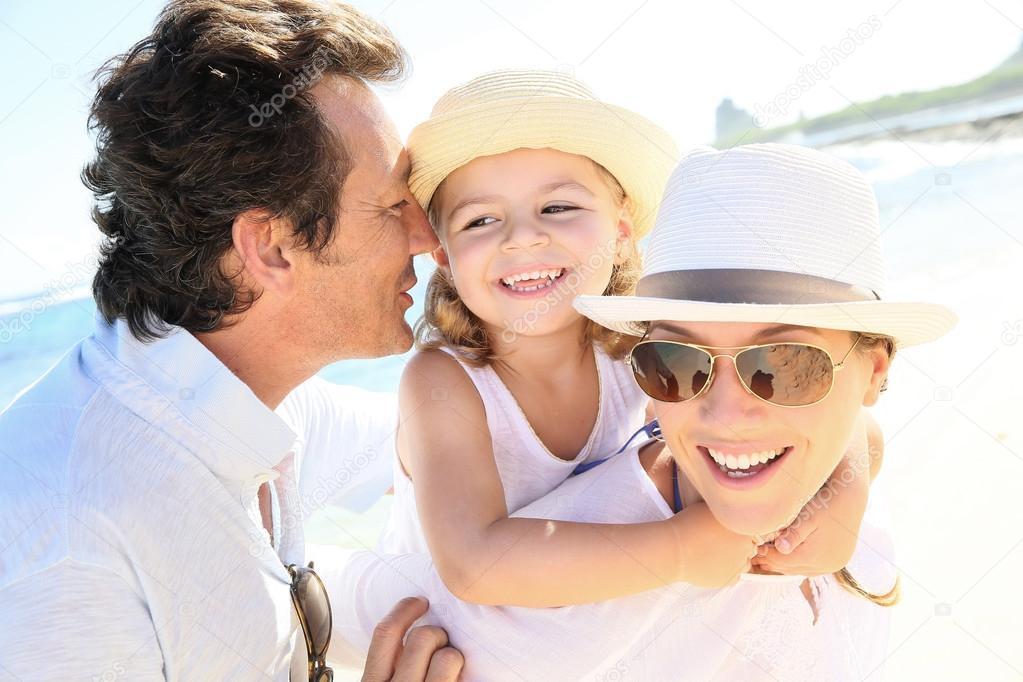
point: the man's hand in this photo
(423, 655)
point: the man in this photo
(258, 226)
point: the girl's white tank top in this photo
(528, 469)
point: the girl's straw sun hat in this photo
(506, 110)
(771, 234)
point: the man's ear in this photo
(264, 249)
(879, 365)
(440, 257)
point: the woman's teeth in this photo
(531, 281)
(736, 466)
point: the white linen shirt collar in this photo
(232, 431)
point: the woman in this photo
(766, 255)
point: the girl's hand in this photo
(711, 555)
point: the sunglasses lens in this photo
(312, 599)
(788, 374)
(670, 372)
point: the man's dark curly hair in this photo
(205, 118)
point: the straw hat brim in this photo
(636, 151)
(908, 323)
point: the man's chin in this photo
(395, 341)
(379, 343)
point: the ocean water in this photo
(35, 332)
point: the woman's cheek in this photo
(826, 446)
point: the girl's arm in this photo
(485, 557)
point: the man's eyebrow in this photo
(402, 170)
(775, 330)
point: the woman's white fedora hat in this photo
(502, 111)
(767, 233)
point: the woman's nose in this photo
(726, 399)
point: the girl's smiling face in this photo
(727, 421)
(524, 232)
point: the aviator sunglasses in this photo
(782, 374)
(310, 599)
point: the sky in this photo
(668, 60)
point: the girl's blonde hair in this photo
(447, 321)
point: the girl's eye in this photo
(558, 208)
(480, 222)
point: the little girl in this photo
(538, 193)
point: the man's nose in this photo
(421, 237)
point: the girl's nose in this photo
(524, 233)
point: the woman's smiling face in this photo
(727, 421)
(522, 233)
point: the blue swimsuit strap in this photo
(652, 430)
(674, 482)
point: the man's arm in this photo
(75, 621)
(497, 642)
(347, 436)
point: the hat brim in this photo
(637, 152)
(908, 323)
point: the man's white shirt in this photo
(131, 542)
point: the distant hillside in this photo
(1004, 80)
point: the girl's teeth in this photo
(548, 275)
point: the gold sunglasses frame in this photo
(835, 366)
